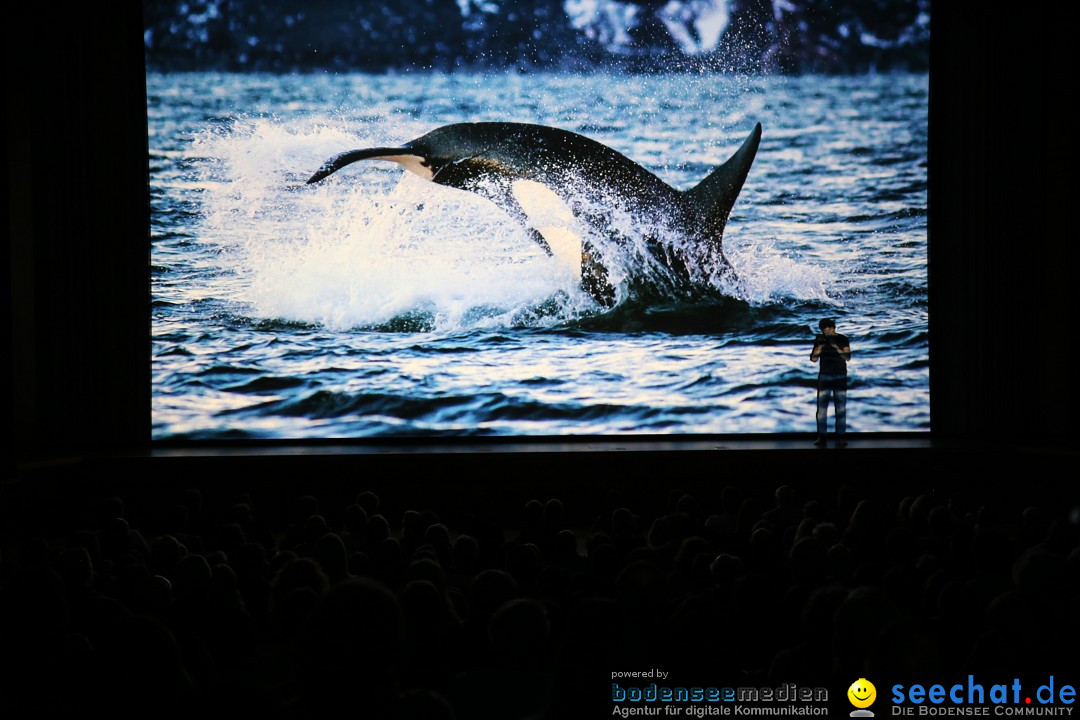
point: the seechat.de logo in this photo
(862, 694)
(973, 698)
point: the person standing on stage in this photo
(832, 352)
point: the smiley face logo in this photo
(862, 693)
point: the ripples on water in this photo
(376, 304)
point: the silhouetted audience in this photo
(519, 617)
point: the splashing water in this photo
(374, 243)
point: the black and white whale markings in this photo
(529, 169)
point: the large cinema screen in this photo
(560, 218)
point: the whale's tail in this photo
(398, 154)
(713, 198)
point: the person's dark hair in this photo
(827, 323)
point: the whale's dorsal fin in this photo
(713, 198)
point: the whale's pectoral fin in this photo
(497, 187)
(714, 196)
(539, 239)
(549, 214)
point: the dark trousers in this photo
(832, 389)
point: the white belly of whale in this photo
(550, 216)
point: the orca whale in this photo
(528, 169)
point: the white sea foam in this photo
(365, 245)
(766, 275)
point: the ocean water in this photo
(375, 304)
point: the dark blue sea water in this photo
(375, 304)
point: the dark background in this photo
(1001, 317)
